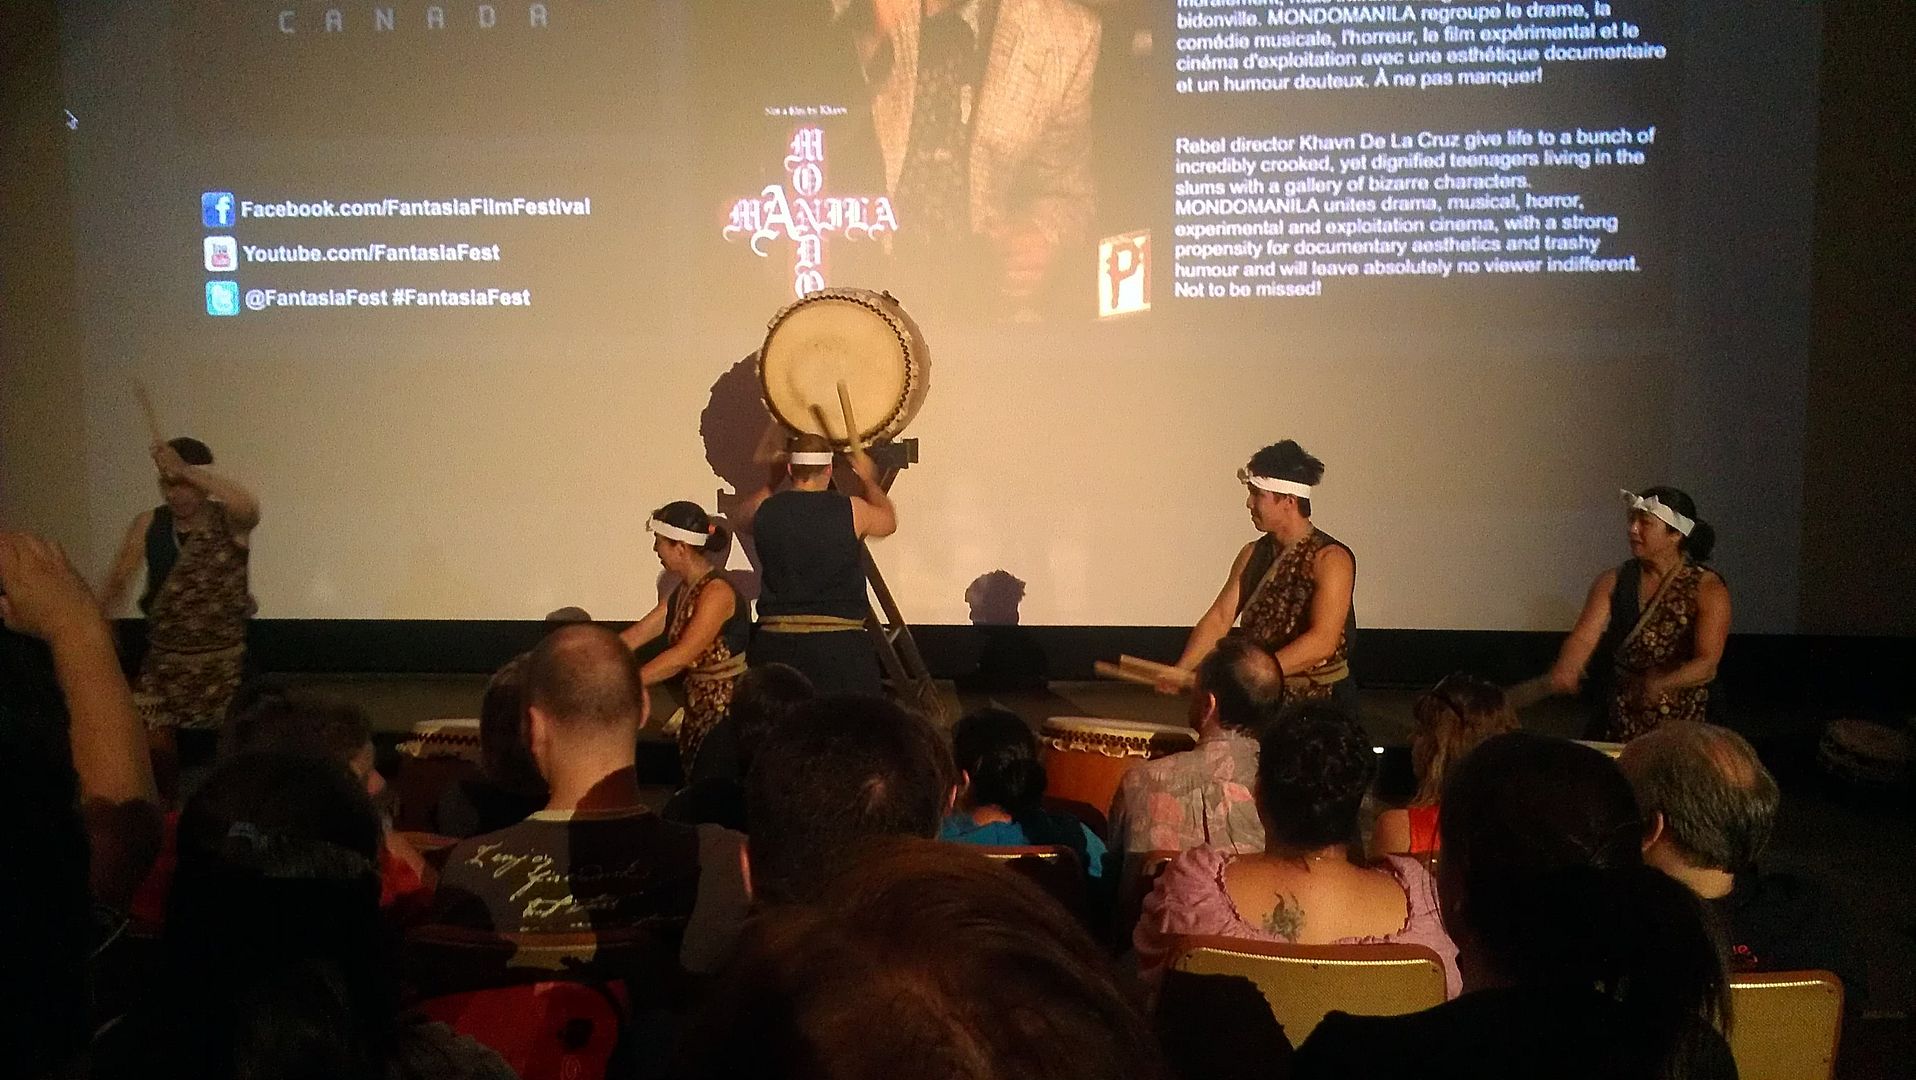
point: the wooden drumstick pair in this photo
(1132, 669)
(852, 442)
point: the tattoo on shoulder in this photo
(1286, 918)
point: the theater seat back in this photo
(1302, 983)
(1785, 1025)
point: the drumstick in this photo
(845, 406)
(1154, 669)
(146, 406)
(824, 425)
(1109, 670)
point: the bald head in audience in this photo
(1235, 686)
(584, 707)
(1708, 803)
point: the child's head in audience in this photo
(919, 959)
(1447, 722)
(275, 718)
(843, 768)
(1543, 884)
(997, 754)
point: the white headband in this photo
(1654, 507)
(811, 457)
(1272, 483)
(673, 532)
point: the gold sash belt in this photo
(808, 624)
(729, 668)
(1323, 674)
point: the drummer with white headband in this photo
(1291, 589)
(704, 621)
(812, 600)
(1656, 625)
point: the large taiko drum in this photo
(1086, 757)
(861, 338)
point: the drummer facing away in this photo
(812, 602)
(1290, 590)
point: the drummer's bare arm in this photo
(1216, 622)
(1336, 575)
(742, 515)
(873, 514)
(127, 563)
(645, 630)
(1712, 631)
(1567, 673)
(715, 605)
(242, 509)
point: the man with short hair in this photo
(1709, 807)
(1203, 796)
(595, 858)
(841, 769)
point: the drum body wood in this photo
(861, 338)
(1086, 757)
(435, 756)
(1865, 755)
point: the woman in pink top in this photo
(1314, 767)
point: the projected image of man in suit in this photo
(982, 110)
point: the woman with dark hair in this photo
(1308, 885)
(705, 623)
(275, 962)
(999, 802)
(1578, 959)
(1291, 589)
(1447, 722)
(1655, 625)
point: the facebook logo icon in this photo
(216, 209)
(222, 298)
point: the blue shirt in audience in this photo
(959, 828)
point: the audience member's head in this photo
(1706, 799)
(282, 720)
(1543, 884)
(842, 768)
(997, 754)
(762, 699)
(275, 962)
(504, 758)
(584, 702)
(1447, 722)
(1235, 686)
(926, 960)
(1314, 767)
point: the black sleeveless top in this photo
(809, 557)
(162, 551)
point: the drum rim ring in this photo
(850, 296)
